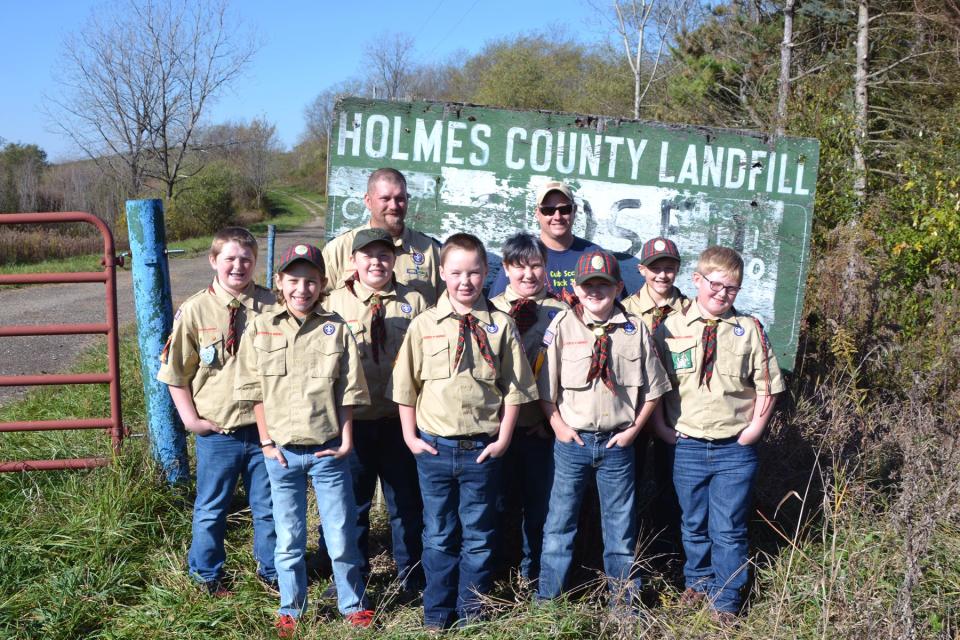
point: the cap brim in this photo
(597, 276)
(289, 262)
(657, 256)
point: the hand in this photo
(493, 450)
(418, 446)
(202, 427)
(567, 435)
(343, 450)
(750, 435)
(623, 439)
(273, 452)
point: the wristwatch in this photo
(267, 443)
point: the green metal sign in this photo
(477, 169)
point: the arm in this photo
(762, 410)
(562, 430)
(345, 418)
(271, 451)
(408, 421)
(499, 446)
(192, 422)
(626, 437)
(660, 427)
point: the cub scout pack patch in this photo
(682, 360)
(208, 354)
(329, 329)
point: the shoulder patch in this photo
(179, 313)
(547, 338)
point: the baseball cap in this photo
(553, 185)
(657, 248)
(598, 264)
(306, 252)
(366, 237)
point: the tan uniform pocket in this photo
(436, 359)
(627, 366)
(271, 355)
(574, 366)
(735, 361)
(683, 354)
(326, 360)
(211, 351)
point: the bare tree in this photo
(137, 79)
(390, 58)
(786, 53)
(319, 113)
(860, 100)
(259, 145)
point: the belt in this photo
(467, 443)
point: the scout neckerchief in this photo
(600, 361)
(378, 327)
(659, 315)
(709, 351)
(233, 333)
(524, 312)
(468, 325)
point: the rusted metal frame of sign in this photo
(114, 424)
(472, 168)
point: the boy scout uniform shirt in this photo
(460, 399)
(301, 374)
(417, 266)
(531, 415)
(726, 408)
(400, 304)
(641, 304)
(194, 355)
(634, 368)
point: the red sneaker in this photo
(286, 626)
(361, 619)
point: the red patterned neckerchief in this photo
(659, 315)
(600, 361)
(378, 326)
(232, 341)
(524, 312)
(709, 341)
(468, 325)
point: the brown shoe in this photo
(691, 598)
(724, 619)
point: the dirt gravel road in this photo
(78, 303)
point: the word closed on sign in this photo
(477, 169)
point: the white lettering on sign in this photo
(540, 137)
(373, 138)
(482, 146)
(664, 157)
(513, 134)
(452, 143)
(565, 156)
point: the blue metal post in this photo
(154, 310)
(271, 240)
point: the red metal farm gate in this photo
(113, 425)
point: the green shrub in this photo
(204, 205)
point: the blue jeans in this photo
(529, 477)
(714, 482)
(460, 516)
(379, 451)
(221, 458)
(332, 485)
(614, 470)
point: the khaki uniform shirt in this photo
(301, 374)
(641, 304)
(531, 414)
(634, 368)
(194, 355)
(726, 408)
(400, 305)
(460, 399)
(417, 266)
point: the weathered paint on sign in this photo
(477, 169)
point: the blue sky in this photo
(306, 47)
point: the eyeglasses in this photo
(547, 211)
(717, 287)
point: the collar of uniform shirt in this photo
(616, 317)
(318, 311)
(646, 300)
(479, 309)
(510, 295)
(225, 297)
(695, 315)
(364, 293)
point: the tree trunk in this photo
(786, 53)
(860, 102)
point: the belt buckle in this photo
(467, 445)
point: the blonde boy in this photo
(198, 365)
(725, 379)
(460, 378)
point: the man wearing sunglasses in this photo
(555, 213)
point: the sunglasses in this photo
(547, 211)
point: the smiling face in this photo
(234, 266)
(597, 296)
(387, 202)
(300, 285)
(374, 264)
(463, 272)
(556, 226)
(715, 303)
(527, 279)
(660, 276)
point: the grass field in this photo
(101, 554)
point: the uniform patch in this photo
(208, 354)
(682, 360)
(739, 330)
(405, 308)
(177, 315)
(329, 329)
(417, 257)
(547, 338)
(492, 328)
(630, 328)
